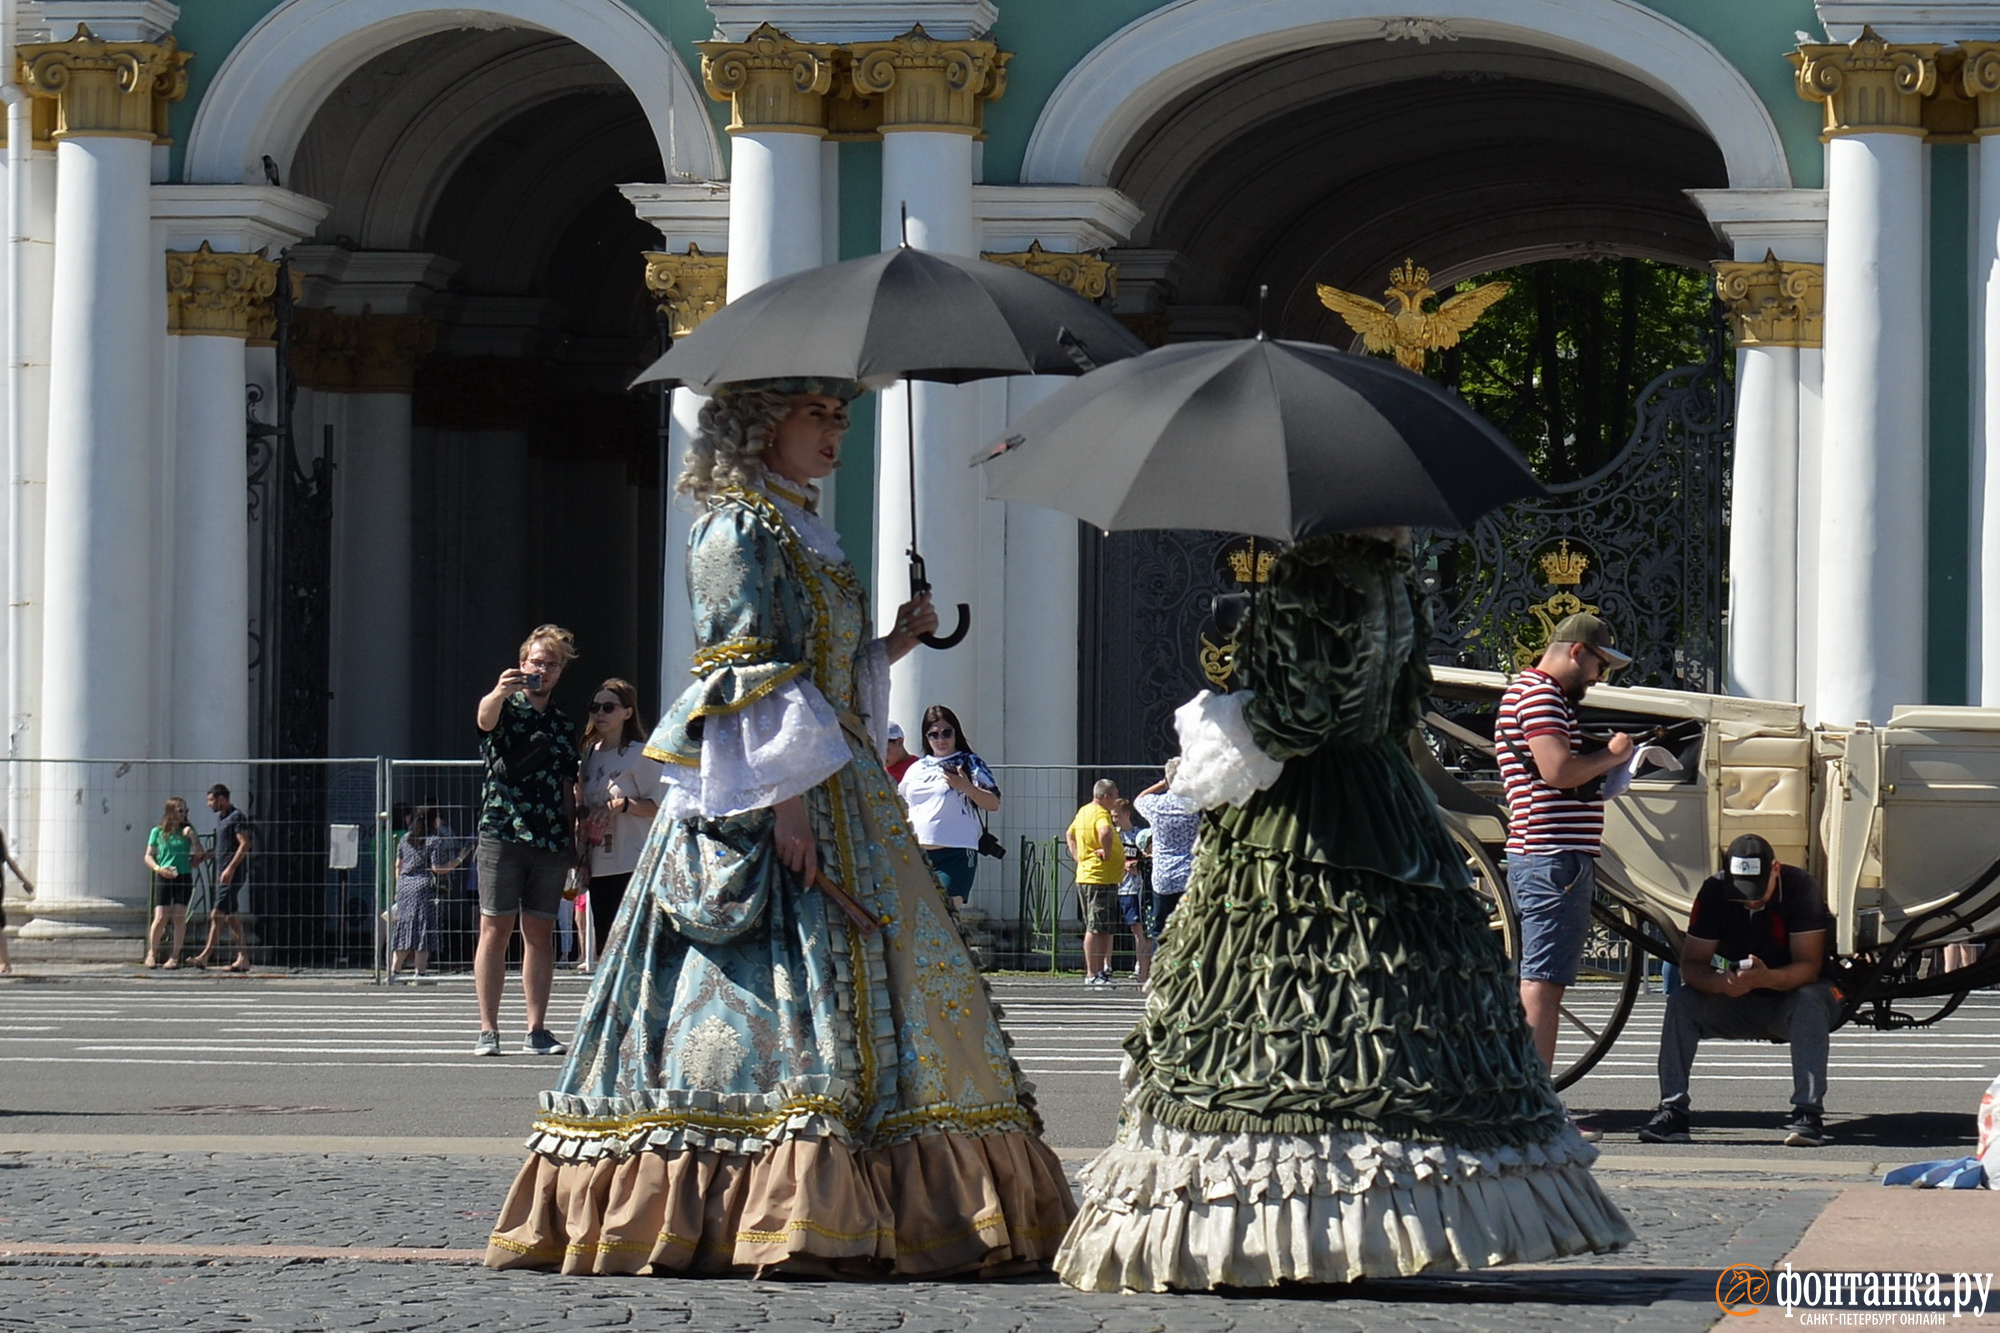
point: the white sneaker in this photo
(1097, 979)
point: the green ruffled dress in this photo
(1333, 1078)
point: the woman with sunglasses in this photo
(946, 791)
(620, 790)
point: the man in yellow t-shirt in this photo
(1100, 865)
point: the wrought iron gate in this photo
(1643, 542)
(291, 507)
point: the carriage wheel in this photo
(1587, 1033)
(1491, 886)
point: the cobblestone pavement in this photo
(1689, 1229)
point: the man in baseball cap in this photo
(1594, 634)
(1769, 922)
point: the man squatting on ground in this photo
(1770, 921)
(1555, 813)
(527, 833)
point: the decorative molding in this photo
(1754, 221)
(1979, 78)
(1109, 97)
(364, 353)
(689, 287)
(1909, 20)
(1088, 275)
(691, 213)
(1868, 85)
(1421, 31)
(1068, 217)
(870, 21)
(119, 89)
(116, 20)
(233, 217)
(1773, 302)
(929, 84)
(772, 83)
(219, 293)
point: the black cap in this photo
(1748, 865)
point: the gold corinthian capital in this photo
(225, 294)
(929, 84)
(1868, 86)
(689, 287)
(1773, 302)
(771, 82)
(1980, 80)
(106, 88)
(1088, 274)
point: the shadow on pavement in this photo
(1598, 1285)
(1934, 1132)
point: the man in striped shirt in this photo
(1555, 811)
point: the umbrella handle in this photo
(919, 585)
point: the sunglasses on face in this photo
(945, 734)
(599, 706)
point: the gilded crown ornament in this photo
(1248, 566)
(1410, 331)
(1565, 567)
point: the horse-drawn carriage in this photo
(1900, 823)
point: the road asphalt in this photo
(153, 1221)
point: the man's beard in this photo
(1575, 690)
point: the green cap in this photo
(1592, 633)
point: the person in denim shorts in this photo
(1555, 826)
(527, 833)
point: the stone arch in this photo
(268, 89)
(1138, 72)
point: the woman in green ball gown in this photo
(1333, 1079)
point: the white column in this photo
(1763, 532)
(98, 666)
(211, 657)
(1984, 497)
(1872, 478)
(1041, 656)
(1812, 438)
(930, 173)
(774, 207)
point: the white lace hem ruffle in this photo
(1168, 1209)
(770, 750)
(1220, 761)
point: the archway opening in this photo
(533, 470)
(1333, 164)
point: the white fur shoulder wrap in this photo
(1220, 761)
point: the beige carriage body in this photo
(1894, 820)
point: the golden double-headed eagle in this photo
(1409, 330)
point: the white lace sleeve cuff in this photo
(770, 750)
(1220, 761)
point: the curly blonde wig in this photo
(726, 448)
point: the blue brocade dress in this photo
(755, 1083)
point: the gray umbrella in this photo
(902, 314)
(1282, 439)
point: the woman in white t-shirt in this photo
(620, 796)
(946, 790)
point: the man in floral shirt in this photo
(527, 833)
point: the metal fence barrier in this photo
(309, 900)
(82, 827)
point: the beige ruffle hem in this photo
(1165, 1209)
(934, 1205)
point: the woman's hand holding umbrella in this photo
(915, 620)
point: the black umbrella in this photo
(902, 314)
(1282, 439)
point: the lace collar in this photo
(801, 511)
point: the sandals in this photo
(152, 962)
(170, 965)
(198, 964)
(240, 965)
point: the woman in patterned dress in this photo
(422, 854)
(787, 1061)
(1333, 1079)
